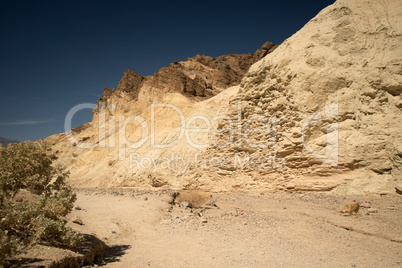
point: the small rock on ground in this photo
(77, 220)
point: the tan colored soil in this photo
(244, 230)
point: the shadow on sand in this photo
(113, 254)
(91, 251)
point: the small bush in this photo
(34, 198)
(196, 199)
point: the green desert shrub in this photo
(34, 199)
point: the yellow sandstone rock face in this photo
(321, 112)
(335, 88)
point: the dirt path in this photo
(275, 230)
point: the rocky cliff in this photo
(199, 77)
(332, 96)
(322, 112)
(98, 153)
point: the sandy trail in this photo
(271, 230)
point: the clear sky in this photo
(57, 54)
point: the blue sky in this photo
(55, 55)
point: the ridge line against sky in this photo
(55, 55)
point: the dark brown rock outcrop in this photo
(131, 83)
(199, 78)
(266, 48)
(173, 78)
(202, 77)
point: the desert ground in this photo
(327, 101)
(140, 228)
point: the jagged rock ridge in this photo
(200, 77)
